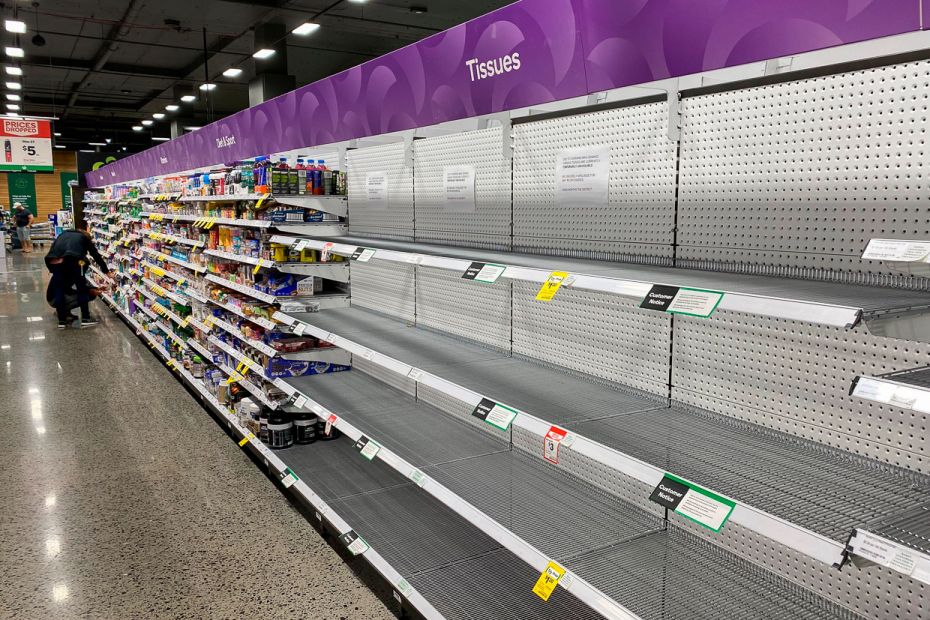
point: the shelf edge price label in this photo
(487, 273)
(246, 439)
(301, 245)
(363, 255)
(326, 252)
(289, 478)
(330, 421)
(367, 447)
(417, 476)
(300, 401)
(884, 552)
(548, 580)
(551, 443)
(551, 286)
(355, 543)
(680, 300)
(495, 414)
(692, 502)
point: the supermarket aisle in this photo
(122, 498)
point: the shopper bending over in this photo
(66, 260)
(23, 219)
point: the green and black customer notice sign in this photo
(693, 502)
(22, 188)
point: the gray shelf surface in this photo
(615, 546)
(867, 298)
(911, 528)
(916, 377)
(816, 487)
(437, 551)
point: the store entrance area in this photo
(122, 497)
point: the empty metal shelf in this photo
(911, 528)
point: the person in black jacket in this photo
(65, 260)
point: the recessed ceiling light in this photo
(13, 97)
(232, 72)
(172, 107)
(207, 86)
(13, 114)
(12, 106)
(147, 122)
(191, 128)
(60, 146)
(305, 28)
(160, 139)
(418, 10)
(97, 143)
(13, 70)
(14, 25)
(263, 53)
(14, 85)
(189, 98)
(158, 115)
(137, 127)
(14, 52)
(124, 148)
(107, 140)
(57, 135)
(88, 151)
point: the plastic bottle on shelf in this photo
(328, 189)
(301, 168)
(318, 177)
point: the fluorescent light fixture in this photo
(305, 28)
(57, 135)
(137, 127)
(13, 114)
(158, 115)
(97, 143)
(13, 70)
(14, 25)
(14, 85)
(232, 72)
(60, 146)
(12, 106)
(14, 52)
(188, 98)
(13, 97)
(88, 151)
(172, 107)
(160, 139)
(207, 86)
(147, 122)
(191, 128)
(263, 53)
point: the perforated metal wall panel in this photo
(394, 221)
(795, 377)
(636, 224)
(875, 592)
(360, 364)
(794, 178)
(465, 308)
(459, 409)
(385, 287)
(488, 226)
(602, 335)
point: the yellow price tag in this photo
(246, 439)
(181, 282)
(551, 286)
(211, 223)
(170, 363)
(235, 378)
(175, 220)
(261, 200)
(548, 580)
(258, 266)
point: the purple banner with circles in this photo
(527, 53)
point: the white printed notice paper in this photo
(376, 190)
(582, 177)
(458, 188)
(897, 250)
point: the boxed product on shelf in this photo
(278, 367)
(310, 286)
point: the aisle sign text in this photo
(484, 272)
(582, 177)
(680, 300)
(495, 414)
(27, 145)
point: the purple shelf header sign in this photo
(527, 53)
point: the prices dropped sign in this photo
(27, 145)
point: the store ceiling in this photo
(107, 64)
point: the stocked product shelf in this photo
(806, 496)
(258, 320)
(560, 605)
(615, 548)
(320, 229)
(885, 311)
(338, 271)
(171, 259)
(157, 236)
(336, 205)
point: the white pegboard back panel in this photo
(601, 335)
(391, 221)
(488, 226)
(794, 179)
(795, 377)
(466, 308)
(637, 222)
(385, 287)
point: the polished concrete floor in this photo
(121, 498)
